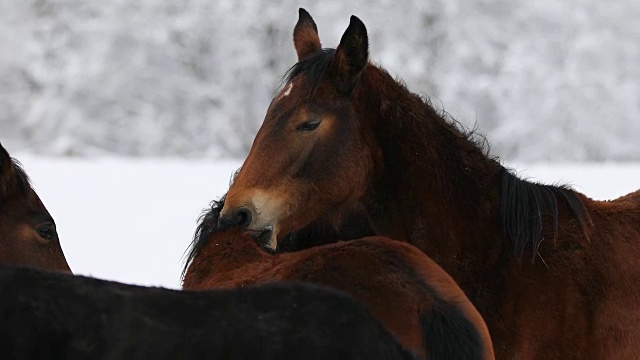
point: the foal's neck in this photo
(228, 259)
(232, 249)
(440, 190)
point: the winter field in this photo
(131, 220)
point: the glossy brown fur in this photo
(27, 230)
(420, 178)
(398, 284)
(632, 198)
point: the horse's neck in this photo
(228, 260)
(440, 191)
(232, 251)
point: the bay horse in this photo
(554, 273)
(47, 315)
(412, 296)
(28, 233)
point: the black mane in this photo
(525, 205)
(207, 224)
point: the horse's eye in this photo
(308, 126)
(47, 232)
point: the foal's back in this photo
(402, 287)
(417, 300)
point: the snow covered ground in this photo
(131, 220)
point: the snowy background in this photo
(130, 116)
(545, 80)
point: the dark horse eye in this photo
(308, 126)
(47, 232)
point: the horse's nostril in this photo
(241, 217)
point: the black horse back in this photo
(49, 315)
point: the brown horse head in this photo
(311, 139)
(27, 231)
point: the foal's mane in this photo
(207, 224)
(524, 206)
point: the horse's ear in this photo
(351, 56)
(305, 35)
(6, 171)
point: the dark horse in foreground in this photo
(343, 136)
(409, 293)
(46, 315)
(27, 231)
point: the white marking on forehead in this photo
(285, 92)
(288, 90)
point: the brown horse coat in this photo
(27, 231)
(412, 296)
(344, 136)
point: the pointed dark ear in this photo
(6, 172)
(305, 35)
(351, 56)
